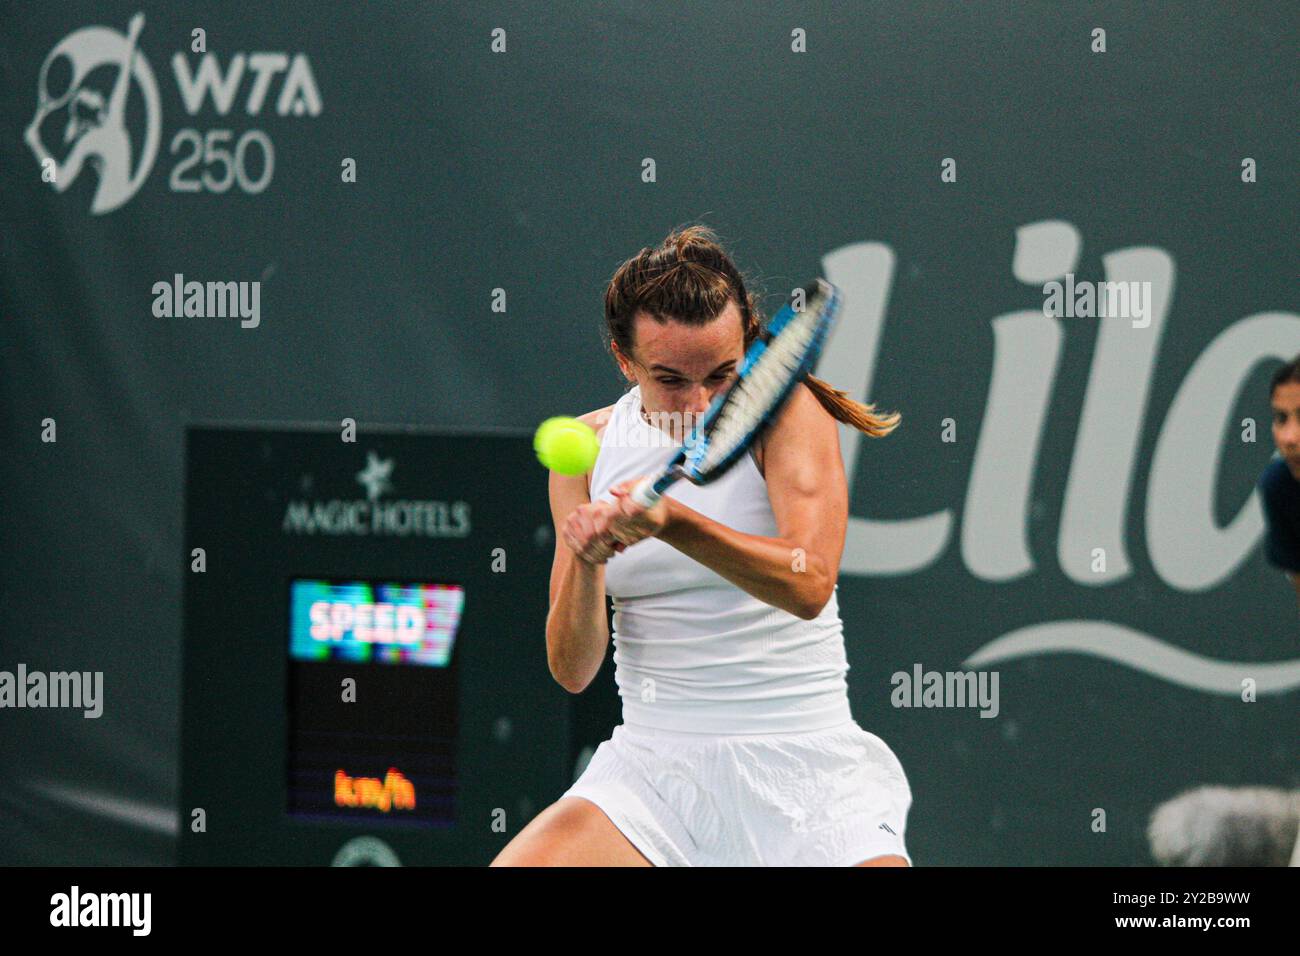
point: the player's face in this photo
(1286, 424)
(682, 368)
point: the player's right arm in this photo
(577, 630)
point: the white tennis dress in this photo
(737, 746)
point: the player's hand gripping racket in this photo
(773, 366)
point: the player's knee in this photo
(528, 849)
(521, 856)
(544, 840)
(890, 860)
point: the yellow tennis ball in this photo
(566, 445)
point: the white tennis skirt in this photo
(831, 797)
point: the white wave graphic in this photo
(1142, 652)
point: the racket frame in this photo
(649, 490)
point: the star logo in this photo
(375, 476)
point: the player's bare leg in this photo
(570, 832)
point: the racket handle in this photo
(643, 493)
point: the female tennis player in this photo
(737, 746)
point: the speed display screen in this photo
(373, 701)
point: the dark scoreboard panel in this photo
(388, 755)
(365, 674)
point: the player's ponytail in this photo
(844, 409)
(690, 278)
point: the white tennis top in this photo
(692, 651)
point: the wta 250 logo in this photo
(97, 105)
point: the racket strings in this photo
(759, 390)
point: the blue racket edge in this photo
(648, 492)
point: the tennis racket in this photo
(772, 367)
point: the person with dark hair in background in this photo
(1279, 485)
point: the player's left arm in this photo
(1295, 582)
(797, 570)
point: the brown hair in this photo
(689, 278)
